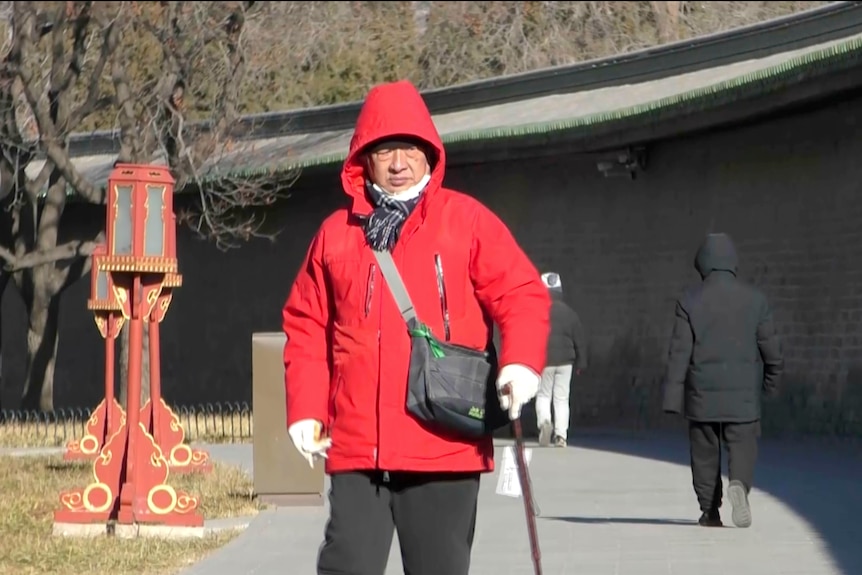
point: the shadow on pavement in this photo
(626, 520)
(820, 481)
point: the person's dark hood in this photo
(716, 253)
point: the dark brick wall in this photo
(787, 190)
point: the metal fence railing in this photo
(231, 422)
(217, 422)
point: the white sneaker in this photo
(739, 500)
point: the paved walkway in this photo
(617, 504)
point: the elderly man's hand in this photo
(516, 386)
(305, 435)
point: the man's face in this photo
(396, 165)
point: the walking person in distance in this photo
(567, 353)
(724, 355)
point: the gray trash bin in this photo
(282, 476)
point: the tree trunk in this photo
(42, 340)
(131, 152)
(124, 365)
(4, 280)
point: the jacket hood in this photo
(716, 253)
(394, 109)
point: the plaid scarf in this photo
(383, 226)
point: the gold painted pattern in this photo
(180, 502)
(122, 297)
(152, 296)
(80, 499)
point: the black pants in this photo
(435, 515)
(705, 439)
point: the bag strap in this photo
(396, 285)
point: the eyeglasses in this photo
(386, 152)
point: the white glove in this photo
(305, 435)
(516, 385)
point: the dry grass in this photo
(200, 427)
(29, 492)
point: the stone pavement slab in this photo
(615, 504)
(30, 451)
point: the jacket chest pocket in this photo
(454, 287)
(441, 286)
(355, 286)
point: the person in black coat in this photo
(724, 355)
(567, 352)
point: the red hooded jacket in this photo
(347, 352)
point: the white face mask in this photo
(409, 193)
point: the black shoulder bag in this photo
(451, 388)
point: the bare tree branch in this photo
(131, 144)
(70, 250)
(41, 105)
(94, 100)
(213, 58)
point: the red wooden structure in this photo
(108, 415)
(130, 474)
(162, 422)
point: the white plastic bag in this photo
(508, 482)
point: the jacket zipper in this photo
(369, 288)
(441, 291)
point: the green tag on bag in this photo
(423, 331)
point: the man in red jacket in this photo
(348, 351)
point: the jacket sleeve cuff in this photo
(518, 372)
(307, 402)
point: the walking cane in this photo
(527, 492)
